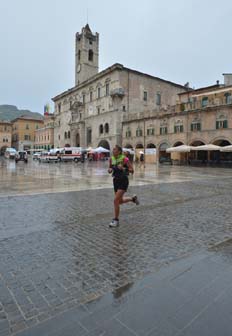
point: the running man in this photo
(120, 167)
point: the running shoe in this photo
(114, 223)
(135, 199)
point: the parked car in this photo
(10, 153)
(36, 156)
(21, 156)
(43, 157)
(165, 160)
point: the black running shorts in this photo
(120, 183)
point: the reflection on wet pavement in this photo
(35, 178)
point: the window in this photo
(70, 104)
(195, 126)
(228, 98)
(80, 116)
(37, 126)
(145, 95)
(99, 92)
(128, 133)
(79, 55)
(158, 98)
(101, 129)
(98, 110)
(90, 41)
(150, 131)
(163, 130)
(204, 102)
(139, 132)
(59, 107)
(27, 137)
(65, 135)
(91, 96)
(106, 128)
(68, 134)
(178, 129)
(107, 89)
(221, 124)
(83, 98)
(91, 55)
(27, 126)
(59, 137)
(124, 108)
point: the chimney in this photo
(217, 82)
(227, 79)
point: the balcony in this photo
(197, 105)
(119, 92)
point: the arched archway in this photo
(151, 145)
(105, 144)
(220, 157)
(78, 140)
(221, 142)
(139, 146)
(178, 143)
(67, 145)
(129, 146)
(198, 155)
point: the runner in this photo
(120, 167)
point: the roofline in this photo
(5, 122)
(116, 66)
(215, 86)
(29, 118)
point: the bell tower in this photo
(87, 50)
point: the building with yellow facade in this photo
(23, 132)
(5, 135)
(44, 136)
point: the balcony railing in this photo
(197, 105)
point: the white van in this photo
(71, 154)
(10, 153)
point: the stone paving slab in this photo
(154, 306)
(57, 251)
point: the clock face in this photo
(78, 68)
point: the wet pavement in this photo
(64, 272)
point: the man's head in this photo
(117, 150)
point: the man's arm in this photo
(110, 167)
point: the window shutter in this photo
(217, 124)
(191, 127)
(225, 124)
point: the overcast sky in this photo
(178, 40)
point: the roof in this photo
(119, 67)
(28, 118)
(213, 88)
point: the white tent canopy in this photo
(179, 149)
(100, 150)
(226, 148)
(128, 150)
(208, 147)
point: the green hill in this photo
(10, 112)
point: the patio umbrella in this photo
(208, 147)
(179, 149)
(100, 150)
(226, 148)
(128, 150)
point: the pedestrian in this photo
(120, 167)
(141, 159)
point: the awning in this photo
(209, 147)
(179, 149)
(226, 148)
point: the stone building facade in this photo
(92, 112)
(44, 136)
(5, 135)
(202, 116)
